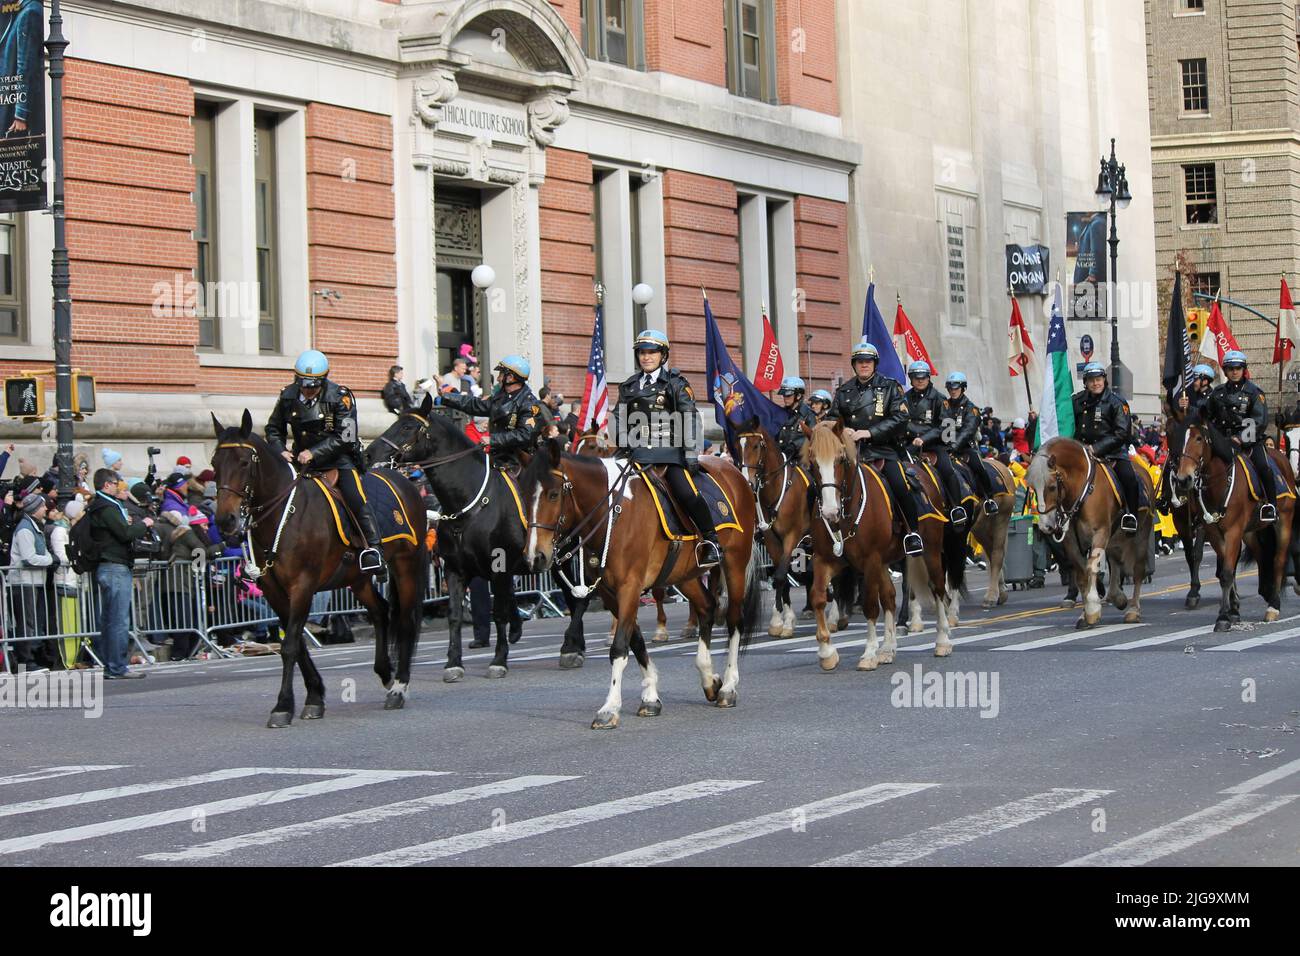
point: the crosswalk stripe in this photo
(357, 818)
(743, 830)
(534, 826)
(1071, 636)
(971, 639)
(1257, 641)
(49, 773)
(1186, 832)
(944, 836)
(1201, 631)
(1264, 779)
(352, 780)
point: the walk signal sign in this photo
(83, 394)
(24, 397)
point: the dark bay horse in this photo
(481, 530)
(1222, 494)
(856, 525)
(291, 527)
(990, 530)
(629, 552)
(1080, 508)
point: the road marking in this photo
(1289, 633)
(1264, 779)
(967, 829)
(733, 833)
(49, 773)
(1187, 832)
(351, 780)
(535, 826)
(356, 818)
(1201, 631)
(1068, 638)
(1010, 632)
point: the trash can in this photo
(1025, 563)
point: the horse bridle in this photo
(566, 488)
(1073, 510)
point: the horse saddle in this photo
(673, 519)
(965, 482)
(1108, 473)
(329, 476)
(910, 472)
(924, 506)
(1284, 488)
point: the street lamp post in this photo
(61, 279)
(1112, 193)
(642, 295)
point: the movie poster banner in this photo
(1085, 264)
(22, 105)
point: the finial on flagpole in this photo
(703, 293)
(600, 290)
(898, 297)
(871, 273)
(764, 308)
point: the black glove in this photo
(693, 466)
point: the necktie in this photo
(645, 382)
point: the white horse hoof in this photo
(453, 674)
(496, 671)
(830, 663)
(774, 630)
(1271, 615)
(886, 657)
(1134, 616)
(786, 632)
(942, 650)
(868, 663)
(661, 636)
(915, 626)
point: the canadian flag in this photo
(1217, 339)
(908, 342)
(1021, 354)
(770, 370)
(1287, 332)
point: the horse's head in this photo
(404, 440)
(1056, 476)
(752, 443)
(545, 487)
(234, 466)
(1192, 461)
(829, 454)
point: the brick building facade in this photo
(247, 180)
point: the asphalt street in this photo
(1160, 742)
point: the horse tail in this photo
(752, 605)
(954, 559)
(1265, 554)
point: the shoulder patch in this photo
(346, 398)
(689, 393)
(1125, 404)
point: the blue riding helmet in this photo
(652, 340)
(956, 380)
(1093, 369)
(1234, 359)
(1203, 371)
(821, 395)
(311, 368)
(917, 369)
(865, 350)
(791, 385)
(515, 364)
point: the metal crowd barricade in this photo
(56, 617)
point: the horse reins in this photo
(761, 479)
(1059, 536)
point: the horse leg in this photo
(651, 705)
(737, 573)
(827, 656)
(885, 584)
(629, 596)
(1088, 586)
(930, 566)
(661, 617)
(505, 610)
(1227, 572)
(1192, 551)
(573, 652)
(454, 669)
(701, 597)
(780, 594)
(843, 603)
(691, 629)
(290, 652)
(870, 658)
(406, 609)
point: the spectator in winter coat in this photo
(174, 498)
(30, 556)
(112, 461)
(1017, 439)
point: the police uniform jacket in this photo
(326, 427)
(1103, 422)
(961, 420)
(658, 424)
(924, 416)
(790, 439)
(877, 405)
(1232, 405)
(516, 422)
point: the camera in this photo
(151, 476)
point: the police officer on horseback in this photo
(320, 416)
(820, 403)
(925, 433)
(1190, 407)
(1192, 403)
(961, 428)
(517, 419)
(1102, 422)
(790, 439)
(1237, 409)
(655, 423)
(872, 409)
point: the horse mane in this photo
(824, 441)
(454, 435)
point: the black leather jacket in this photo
(326, 427)
(396, 398)
(790, 439)
(877, 405)
(960, 423)
(1232, 405)
(659, 424)
(924, 416)
(516, 422)
(1103, 422)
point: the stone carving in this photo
(449, 167)
(432, 93)
(544, 114)
(519, 214)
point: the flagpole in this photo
(1024, 367)
(1281, 362)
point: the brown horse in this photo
(856, 525)
(629, 552)
(294, 525)
(990, 530)
(1223, 496)
(1079, 505)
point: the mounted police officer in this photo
(655, 423)
(1237, 409)
(925, 433)
(961, 429)
(790, 439)
(517, 419)
(320, 416)
(1102, 422)
(1190, 407)
(872, 409)
(820, 403)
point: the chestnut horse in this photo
(1079, 506)
(628, 552)
(856, 525)
(1222, 495)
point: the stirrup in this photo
(1128, 523)
(370, 560)
(957, 515)
(912, 544)
(1267, 513)
(707, 553)
(990, 506)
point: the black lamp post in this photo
(60, 275)
(1112, 192)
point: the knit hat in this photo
(111, 458)
(140, 492)
(32, 503)
(183, 465)
(206, 475)
(74, 508)
(176, 481)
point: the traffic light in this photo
(83, 394)
(1196, 319)
(24, 397)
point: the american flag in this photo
(594, 410)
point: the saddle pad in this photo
(997, 477)
(720, 507)
(798, 470)
(925, 508)
(1252, 479)
(514, 493)
(390, 513)
(1143, 501)
(964, 482)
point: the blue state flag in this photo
(735, 399)
(875, 332)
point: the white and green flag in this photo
(1057, 415)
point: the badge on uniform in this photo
(535, 410)
(530, 422)
(880, 405)
(514, 419)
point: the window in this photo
(12, 327)
(748, 30)
(205, 225)
(1196, 90)
(611, 31)
(1200, 197)
(264, 182)
(1205, 283)
(1193, 4)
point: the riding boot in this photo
(708, 552)
(371, 558)
(1268, 485)
(957, 514)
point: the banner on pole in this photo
(22, 106)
